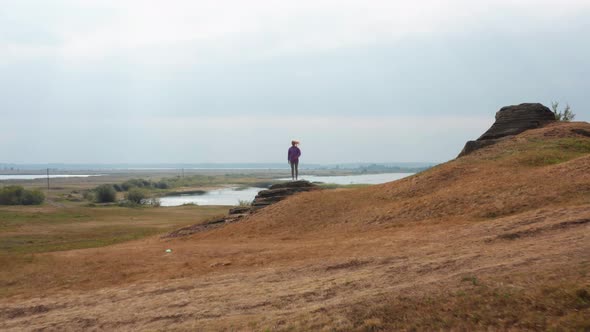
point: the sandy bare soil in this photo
(499, 239)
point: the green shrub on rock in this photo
(565, 115)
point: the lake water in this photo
(354, 179)
(231, 196)
(225, 196)
(41, 176)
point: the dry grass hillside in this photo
(499, 239)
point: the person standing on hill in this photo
(293, 158)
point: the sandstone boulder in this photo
(512, 120)
(273, 194)
(281, 191)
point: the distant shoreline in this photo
(11, 167)
(93, 170)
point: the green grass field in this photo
(28, 233)
(25, 230)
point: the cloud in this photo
(319, 122)
(145, 80)
(189, 31)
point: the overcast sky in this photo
(135, 81)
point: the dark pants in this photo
(294, 169)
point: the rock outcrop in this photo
(280, 191)
(512, 120)
(273, 194)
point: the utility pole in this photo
(48, 179)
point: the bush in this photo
(88, 195)
(136, 183)
(33, 197)
(566, 115)
(17, 195)
(11, 195)
(136, 195)
(105, 193)
(161, 185)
